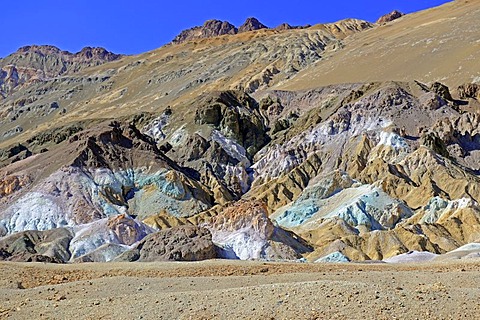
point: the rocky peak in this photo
(211, 28)
(39, 49)
(390, 17)
(214, 28)
(286, 26)
(97, 53)
(251, 24)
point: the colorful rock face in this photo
(227, 143)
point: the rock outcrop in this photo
(12, 183)
(111, 170)
(103, 240)
(37, 246)
(215, 28)
(183, 243)
(244, 231)
(394, 15)
(251, 24)
(470, 90)
(211, 28)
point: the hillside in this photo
(348, 141)
(439, 44)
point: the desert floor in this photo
(243, 290)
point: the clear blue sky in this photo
(136, 26)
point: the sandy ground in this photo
(234, 289)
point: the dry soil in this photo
(233, 289)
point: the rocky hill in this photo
(432, 45)
(41, 63)
(211, 28)
(246, 145)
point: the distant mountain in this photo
(31, 63)
(214, 28)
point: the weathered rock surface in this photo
(111, 170)
(183, 243)
(37, 246)
(244, 231)
(468, 251)
(104, 239)
(251, 24)
(471, 90)
(197, 141)
(41, 63)
(394, 15)
(211, 28)
(104, 253)
(11, 184)
(412, 257)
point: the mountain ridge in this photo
(214, 28)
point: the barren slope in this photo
(167, 76)
(439, 44)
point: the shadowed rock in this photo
(470, 90)
(37, 246)
(251, 24)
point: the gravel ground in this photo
(246, 290)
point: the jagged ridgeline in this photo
(246, 143)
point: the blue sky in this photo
(140, 25)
